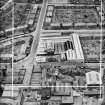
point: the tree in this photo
(1, 90)
(1, 21)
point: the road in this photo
(6, 4)
(28, 61)
(36, 35)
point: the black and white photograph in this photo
(52, 52)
